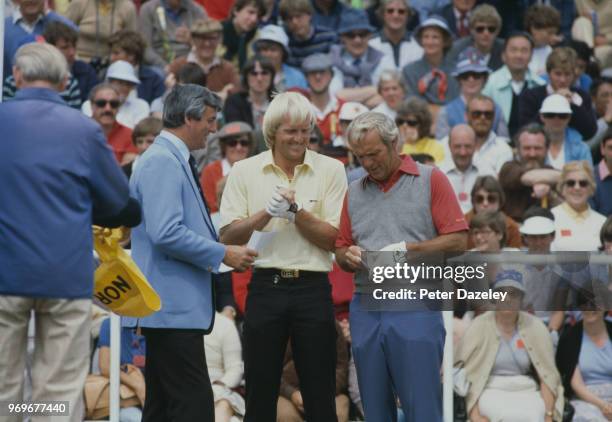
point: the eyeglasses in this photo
(490, 198)
(259, 73)
(102, 103)
(398, 11)
(570, 183)
(233, 142)
(477, 114)
(480, 29)
(473, 75)
(356, 34)
(412, 123)
(561, 116)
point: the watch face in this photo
(293, 208)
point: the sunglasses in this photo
(477, 114)
(480, 29)
(259, 73)
(490, 198)
(102, 103)
(412, 123)
(357, 34)
(398, 11)
(233, 142)
(474, 75)
(570, 183)
(561, 116)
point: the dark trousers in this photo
(177, 383)
(299, 309)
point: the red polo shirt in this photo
(120, 140)
(445, 210)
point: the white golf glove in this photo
(395, 247)
(279, 207)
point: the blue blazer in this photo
(173, 245)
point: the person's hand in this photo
(606, 409)
(566, 93)
(600, 40)
(540, 190)
(278, 205)
(345, 328)
(240, 258)
(225, 91)
(296, 399)
(182, 35)
(353, 257)
(170, 81)
(229, 312)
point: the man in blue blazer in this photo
(177, 249)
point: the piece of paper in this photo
(258, 241)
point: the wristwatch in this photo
(295, 207)
(549, 413)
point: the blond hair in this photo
(288, 105)
(581, 165)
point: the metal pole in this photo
(447, 364)
(115, 343)
(1, 46)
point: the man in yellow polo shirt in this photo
(297, 194)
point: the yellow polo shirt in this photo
(320, 185)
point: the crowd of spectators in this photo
(513, 104)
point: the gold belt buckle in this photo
(290, 273)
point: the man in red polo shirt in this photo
(399, 206)
(104, 106)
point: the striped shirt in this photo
(71, 94)
(320, 41)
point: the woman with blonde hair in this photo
(576, 224)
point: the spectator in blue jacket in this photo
(273, 43)
(565, 143)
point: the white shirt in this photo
(385, 109)
(494, 153)
(409, 51)
(132, 111)
(576, 231)
(537, 65)
(462, 182)
(491, 156)
(559, 162)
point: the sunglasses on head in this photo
(490, 198)
(408, 122)
(233, 142)
(477, 114)
(480, 29)
(357, 34)
(102, 103)
(570, 183)
(259, 72)
(562, 116)
(398, 11)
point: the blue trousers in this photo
(398, 354)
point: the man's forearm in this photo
(320, 233)
(239, 232)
